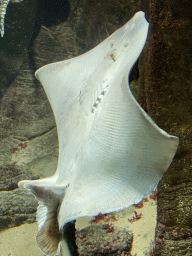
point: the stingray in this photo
(111, 153)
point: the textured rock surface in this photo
(167, 98)
(93, 21)
(16, 207)
(19, 30)
(103, 240)
(28, 145)
(10, 176)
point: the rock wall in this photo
(166, 96)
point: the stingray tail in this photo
(49, 236)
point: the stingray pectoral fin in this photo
(73, 85)
(48, 237)
(123, 159)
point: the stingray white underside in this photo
(111, 153)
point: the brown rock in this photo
(166, 80)
(103, 240)
(16, 207)
(10, 176)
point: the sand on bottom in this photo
(20, 241)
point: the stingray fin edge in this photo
(49, 236)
